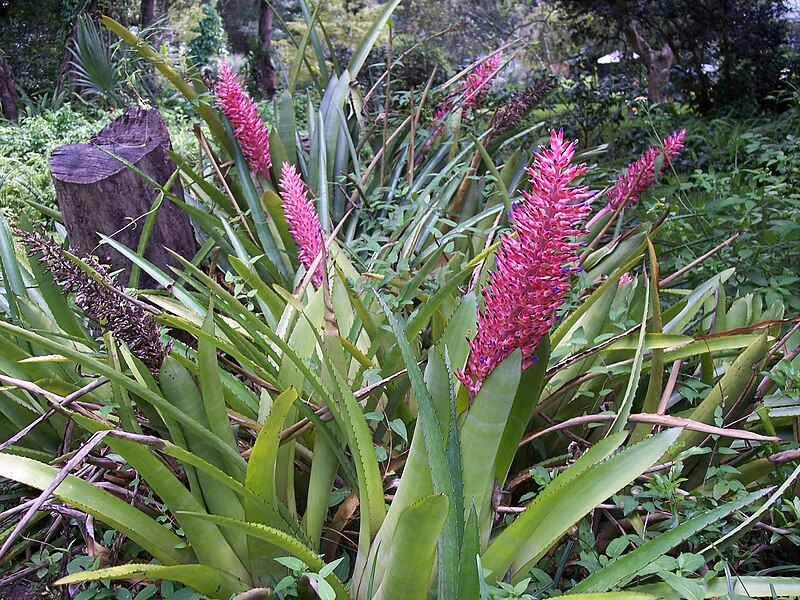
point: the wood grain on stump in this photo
(9, 99)
(99, 194)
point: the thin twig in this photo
(63, 402)
(204, 145)
(664, 420)
(697, 261)
(324, 412)
(90, 444)
(673, 379)
(405, 53)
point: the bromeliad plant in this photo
(399, 401)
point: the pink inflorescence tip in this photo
(642, 173)
(480, 80)
(249, 129)
(471, 90)
(533, 265)
(302, 219)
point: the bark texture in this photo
(148, 12)
(265, 71)
(9, 99)
(658, 62)
(98, 194)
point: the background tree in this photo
(264, 70)
(8, 92)
(148, 12)
(722, 51)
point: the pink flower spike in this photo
(471, 89)
(302, 219)
(533, 265)
(480, 80)
(249, 129)
(626, 278)
(642, 173)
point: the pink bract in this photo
(248, 127)
(302, 219)
(471, 90)
(642, 173)
(533, 264)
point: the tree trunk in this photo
(8, 93)
(65, 78)
(98, 194)
(148, 12)
(265, 72)
(658, 62)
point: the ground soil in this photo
(25, 589)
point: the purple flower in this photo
(302, 219)
(249, 129)
(532, 276)
(519, 105)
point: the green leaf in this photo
(9, 267)
(211, 384)
(498, 180)
(287, 128)
(208, 543)
(156, 58)
(686, 588)
(440, 473)
(315, 42)
(617, 596)
(415, 482)
(629, 565)
(144, 394)
(527, 396)
(470, 579)
(482, 432)
(413, 550)
(117, 514)
(360, 55)
(301, 48)
(370, 483)
(694, 302)
(624, 409)
(162, 278)
(55, 299)
(609, 284)
(743, 586)
(257, 213)
(260, 477)
(320, 484)
(280, 540)
(273, 203)
(205, 579)
(739, 377)
(568, 498)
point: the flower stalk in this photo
(471, 91)
(640, 175)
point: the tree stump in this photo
(98, 194)
(8, 93)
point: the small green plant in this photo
(209, 40)
(302, 575)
